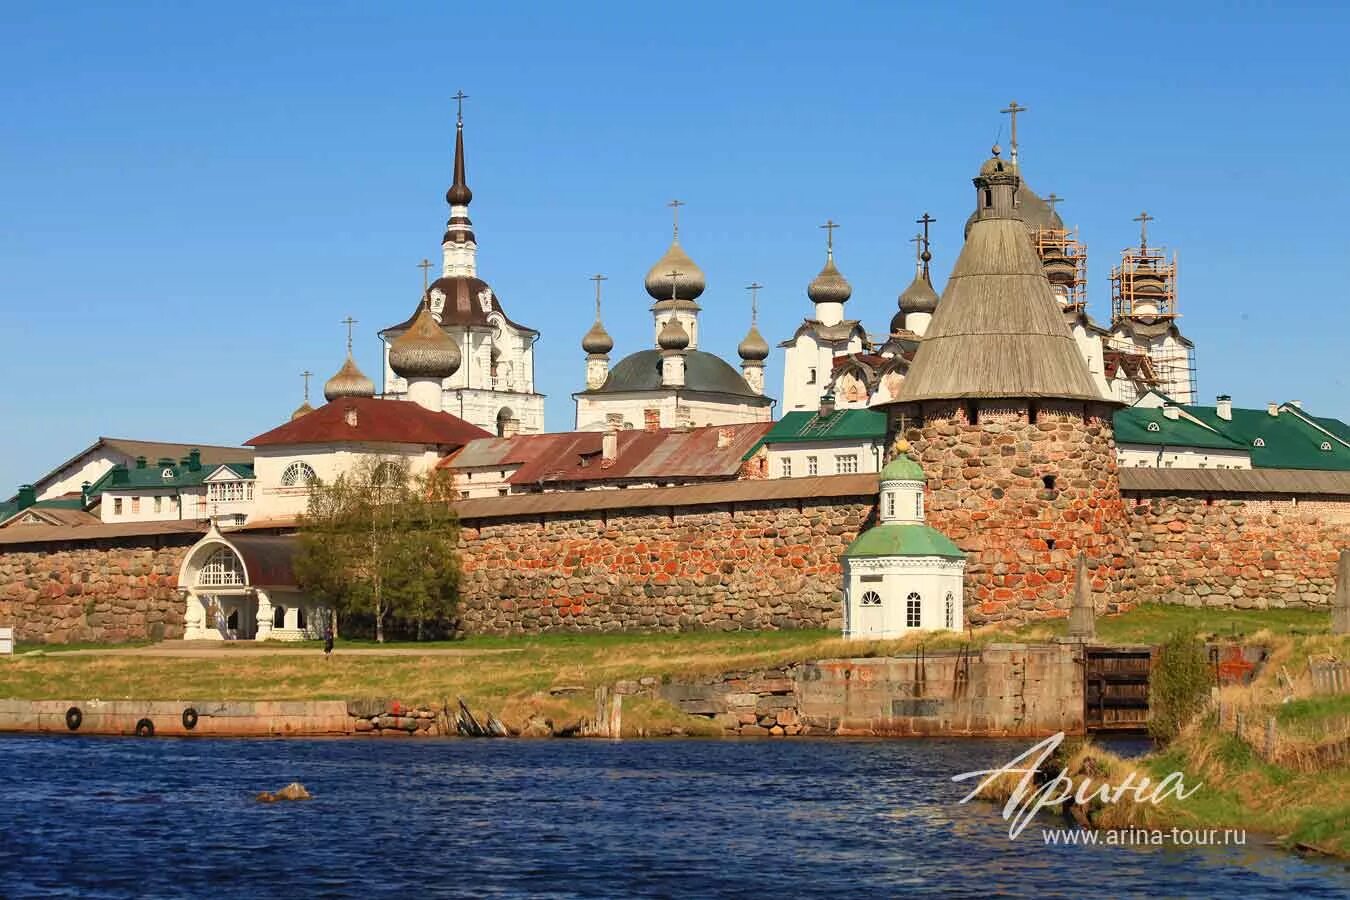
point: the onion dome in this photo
(829, 286)
(672, 336)
(597, 340)
(424, 350)
(348, 382)
(662, 286)
(919, 297)
(301, 410)
(902, 468)
(753, 348)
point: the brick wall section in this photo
(986, 463)
(771, 564)
(93, 590)
(1257, 552)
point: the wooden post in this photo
(1239, 723)
(600, 726)
(614, 722)
(1270, 738)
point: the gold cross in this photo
(597, 278)
(1143, 219)
(424, 265)
(349, 322)
(459, 99)
(829, 226)
(307, 374)
(753, 287)
(675, 206)
(1012, 111)
(1052, 199)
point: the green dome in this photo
(897, 539)
(902, 468)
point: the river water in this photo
(108, 817)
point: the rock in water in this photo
(293, 791)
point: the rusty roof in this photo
(348, 419)
(1235, 481)
(708, 452)
(73, 518)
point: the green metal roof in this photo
(808, 425)
(902, 468)
(899, 539)
(1132, 427)
(121, 478)
(1288, 441)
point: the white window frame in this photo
(846, 464)
(785, 467)
(812, 465)
(294, 472)
(913, 610)
(222, 568)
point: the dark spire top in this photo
(459, 193)
(830, 286)
(753, 347)
(919, 297)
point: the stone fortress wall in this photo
(770, 562)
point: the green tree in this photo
(378, 543)
(1178, 685)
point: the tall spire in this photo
(459, 246)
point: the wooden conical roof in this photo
(998, 330)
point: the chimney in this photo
(1272, 409)
(609, 443)
(1171, 412)
(827, 405)
(1224, 407)
(84, 492)
(140, 462)
(349, 416)
(724, 437)
(651, 418)
(510, 427)
(195, 459)
(27, 496)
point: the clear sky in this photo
(192, 195)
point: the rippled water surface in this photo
(92, 817)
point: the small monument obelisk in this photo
(1082, 616)
(1340, 602)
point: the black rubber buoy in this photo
(145, 728)
(189, 718)
(74, 718)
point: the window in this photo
(117, 506)
(890, 504)
(159, 504)
(918, 505)
(1326, 446)
(811, 375)
(222, 568)
(464, 495)
(812, 466)
(912, 607)
(1153, 426)
(846, 464)
(227, 491)
(166, 474)
(278, 617)
(297, 474)
(871, 598)
(1259, 442)
(951, 610)
(501, 492)
(988, 198)
(300, 621)
(785, 468)
(135, 505)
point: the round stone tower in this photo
(1016, 440)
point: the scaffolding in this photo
(1064, 258)
(1144, 285)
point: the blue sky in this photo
(195, 194)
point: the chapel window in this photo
(297, 474)
(912, 610)
(222, 568)
(951, 610)
(871, 598)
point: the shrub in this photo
(1178, 685)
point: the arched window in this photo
(1259, 442)
(278, 617)
(1154, 426)
(297, 474)
(300, 618)
(385, 473)
(951, 610)
(222, 568)
(871, 598)
(1326, 445)
(913, 607)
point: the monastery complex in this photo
(954, 466)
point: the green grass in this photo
(1151, 623)
(1313, 709)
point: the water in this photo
(92, 817)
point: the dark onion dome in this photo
(829, 286)
(424, 350)
(459, 193)
(704, 372)
(302, 409)
(919, 297)
(898, 321)
(597, 340)
(348, 382)
(753, 348)
(661, 286)
(672, 336)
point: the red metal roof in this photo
(659, 455)
(368, 419)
